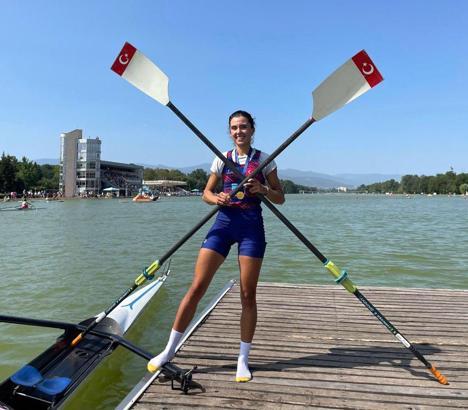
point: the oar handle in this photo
(438, 375)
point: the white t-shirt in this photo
(218, 165)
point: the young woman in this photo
(239, 220)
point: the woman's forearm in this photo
(274, 195)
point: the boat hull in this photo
(73, 364)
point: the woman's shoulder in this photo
(263, 155)
(256, 149)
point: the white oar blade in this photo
(358, 75)
(141, 72)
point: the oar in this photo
(348, 82)
(76, 326)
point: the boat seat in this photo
(29, 376)
(54, 385)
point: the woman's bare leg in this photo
(207, 264)
(249, 273)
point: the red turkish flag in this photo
(123, 59)
(367, 68)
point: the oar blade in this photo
(141, 72)
(358, 75)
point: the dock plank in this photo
(319, 347)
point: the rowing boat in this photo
(50, 379)
(145, 198)
(20, 209)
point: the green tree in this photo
(451, 184)
(463, 189)
(391, 186)
(410, 184)
(383, 187)
(461, 179)
(8, 181)
(424, 184)
(197, 179)
(162, 173)
(362, 188)
(433, 185)
(50, 177)
(447, 183)
(289, 187)
(29, 173)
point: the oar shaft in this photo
(188, 235)
(73, 326)
(440, 378)
(391, 327)
(37, 322)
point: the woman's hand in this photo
(254, 186)
(223, 199)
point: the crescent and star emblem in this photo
(123, 59)
(369, 70)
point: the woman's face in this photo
(241, 131)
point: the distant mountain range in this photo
(307, 178)
(313, 179)
(310, 178)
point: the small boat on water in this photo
(18, 209)
(51, 378)
(22, 207)
(145, 198)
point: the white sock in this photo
(167, 354)
(243, 373)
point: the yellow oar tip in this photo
(152, 368)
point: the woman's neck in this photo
(242, 150)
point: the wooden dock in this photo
(318, 346)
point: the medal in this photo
(241, 194)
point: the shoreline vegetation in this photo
(28, 176)
(449, 183)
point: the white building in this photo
(80, 166)
(83, 173)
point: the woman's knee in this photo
(195, 293)
(248, 297)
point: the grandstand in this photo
(127, 178)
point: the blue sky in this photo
(220, 56)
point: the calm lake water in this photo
(69, 260)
